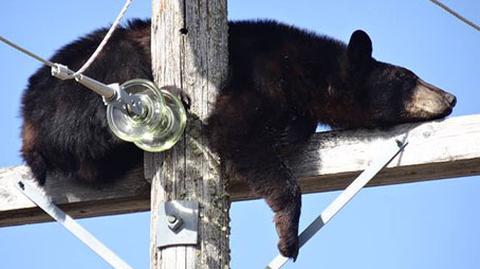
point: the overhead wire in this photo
(27, 52)
(456, 14)
(104, 40)
(92, 57)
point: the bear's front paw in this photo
(287, 229)
(288, 247)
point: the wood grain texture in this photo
(189, 50)
(128, 194)
(436, 150)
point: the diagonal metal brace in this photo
(38, 198)
(392, 150)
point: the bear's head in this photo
(387, 94)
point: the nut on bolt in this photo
(174, 223)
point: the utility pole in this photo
(189, 50)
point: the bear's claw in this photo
(289, 248)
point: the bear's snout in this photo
(451, 99)
(429, 102)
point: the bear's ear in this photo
(359, 49)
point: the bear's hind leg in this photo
(269, 177)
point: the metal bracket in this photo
(177, 223)
(130, 104)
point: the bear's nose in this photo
(451, 99)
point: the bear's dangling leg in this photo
(270, 178)
(240, 129)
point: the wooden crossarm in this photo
(437, 150)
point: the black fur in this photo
(282, 82)
(64, 128)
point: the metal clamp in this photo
(177, 223)
(63, 72)
(112, 94)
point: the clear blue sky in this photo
(422, 225)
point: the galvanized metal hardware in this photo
(178, 223)
(137, 110)
(174, 223)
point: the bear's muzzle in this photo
(429, 102)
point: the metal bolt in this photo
(136, 108)
(171, 219)
(399, 143)
(174, 223)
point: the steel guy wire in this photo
(456, 14)
(27, 52)
(70, 74)
(105, 39)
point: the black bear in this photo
(283, 81)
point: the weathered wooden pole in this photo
(189, 50)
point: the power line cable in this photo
(456, 14)
(70, 74)
(27, 52)
(105, 39)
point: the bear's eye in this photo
(405, 74)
